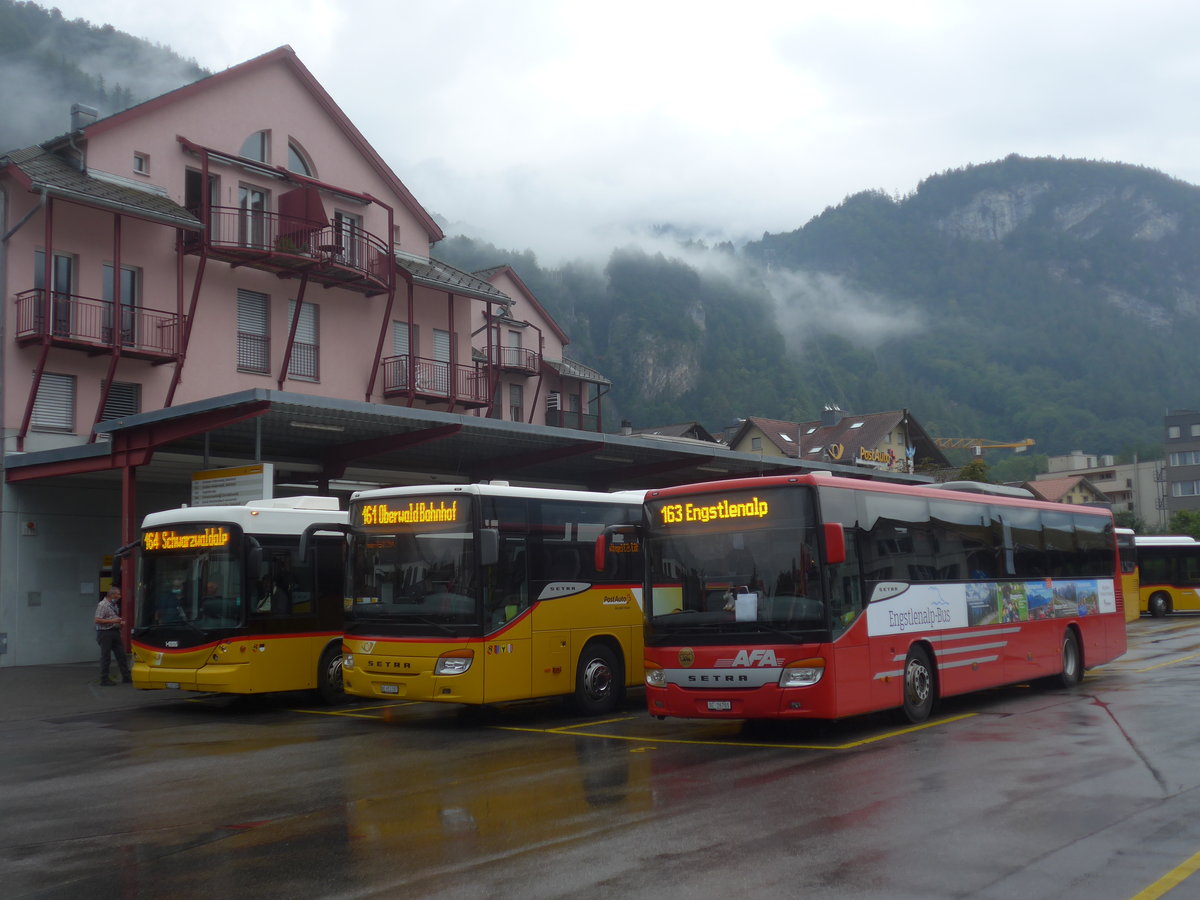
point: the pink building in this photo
(236, 234)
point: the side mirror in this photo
(602, 542)
(601, 556)
(489, 546)
(306, 539)
(835, 543)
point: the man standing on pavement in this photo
(108, 635)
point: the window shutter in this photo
(252, 312)
(54, 408)
(124, 399)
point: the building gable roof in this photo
(286, 56)
(442, 276)
(41, 171)
(840, 442)
(489, 275)
(693, 430)
(1055, 489)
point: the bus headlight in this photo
(655, 676)
(802, 672)
(454, 662)
(347, 660)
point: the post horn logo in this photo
(686, 657)
(836, 450)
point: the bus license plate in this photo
(720, 705)
(389, 688)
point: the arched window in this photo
(257, 146)
(298, 160)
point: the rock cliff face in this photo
(992, 215)
(1115, 231)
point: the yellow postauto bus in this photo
(228, 602)
(1168, 573)
(488, 593)
(1130, 579)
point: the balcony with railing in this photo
(562, 418)
(517, 359)
(434, 381)
(96, 326)
(332, 255)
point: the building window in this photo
(252, 216)
(1172, 431)
(440, 370)
(305, 357)
(298, 160)
(756, 443)
(253, 334)
(124, 399)
(257, 146)
(121, 315)
(141, 163)
(1195, 430)
(348, 229)
(516, 402)
(54, 407)
(62, 284)
(1185, 488)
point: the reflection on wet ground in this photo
(1033, 792)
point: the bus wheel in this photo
(919, 685)
(598, 685)
(329, 675)
(1072, 662)
(1159, 605)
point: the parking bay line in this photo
(1170, 881)
(570, 731)
(360, 712)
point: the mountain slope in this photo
(47, 63)
(1057, 298)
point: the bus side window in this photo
(510, 594)
(845, 592)
(272, 588)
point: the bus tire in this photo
(920, 685)
(1159, 604)
(598, 680)
(1072, 662)
(329, 675)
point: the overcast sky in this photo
(561, 126)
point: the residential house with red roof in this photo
(891, 441)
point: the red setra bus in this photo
(816, 596)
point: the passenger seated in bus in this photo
(169, 608)
(272, 598)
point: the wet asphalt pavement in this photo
(1015, 793)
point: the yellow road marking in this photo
(359, 712)
(1168, 663)
(1170, 881)
(570, 732)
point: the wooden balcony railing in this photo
(433, 380)
(335, 256)
(84, 323)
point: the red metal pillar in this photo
(116, 315)
(129, 531)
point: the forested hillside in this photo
(48, 63)
(1052, 299)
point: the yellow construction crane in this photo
(978, 445)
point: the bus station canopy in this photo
(321, 443)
